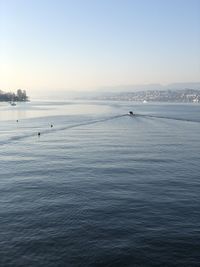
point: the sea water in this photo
(100, 187)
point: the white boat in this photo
(13, 104)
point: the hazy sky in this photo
(80, 44)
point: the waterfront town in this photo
(182, 96)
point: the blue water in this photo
(100, 188)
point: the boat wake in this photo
(167, 118)
(52, 130)
(85, 123)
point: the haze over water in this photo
(83, 183)
(100, 188)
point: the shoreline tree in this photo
(20, 96)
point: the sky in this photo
(88, 44)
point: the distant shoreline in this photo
(17, 101)
(19, 96)
(150, 96)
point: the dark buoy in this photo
(51, 125)
(16, 120)
(131, 113)
(39, 134)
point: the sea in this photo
(99, 187)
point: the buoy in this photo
(51, 125)
(16, 120)
(39, 134)
(131, 113)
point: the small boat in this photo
(13, 104)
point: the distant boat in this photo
(13, 104)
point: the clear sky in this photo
(81, 44)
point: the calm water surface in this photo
(100, 188)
